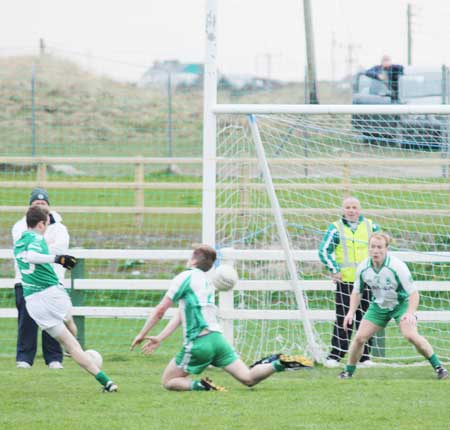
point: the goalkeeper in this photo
(394, 296)
(343, 247)
(204, 343)
(46, 300)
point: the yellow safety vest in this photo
(353, 247)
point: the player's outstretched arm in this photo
(152, 320)
(34, 257)
(413, 304)
(155, 341)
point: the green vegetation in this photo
(376, 399)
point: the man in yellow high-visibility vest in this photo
(343, 247)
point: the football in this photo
(225, 277)
(96, 357)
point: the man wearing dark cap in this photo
(57, 238)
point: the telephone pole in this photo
(333, 56)
(267, 63)
(409, 16)
(310, 57)
(41, 47)
(350, 59)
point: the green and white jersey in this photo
(391, 284)
(35, 277)
(195, 294)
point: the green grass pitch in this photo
(380, 399)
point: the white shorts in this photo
(50, 307)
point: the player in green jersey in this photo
(394, 296)
(204, 343)
(46, 300)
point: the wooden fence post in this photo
(346, 177)
(77, 297)
(41, 173)
(139, 179)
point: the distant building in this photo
(191, 75)
(241, 82)
(181, 74)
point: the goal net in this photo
(396, 165)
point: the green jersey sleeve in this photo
(327, 247)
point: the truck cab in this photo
(425, 86)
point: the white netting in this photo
(397, 166)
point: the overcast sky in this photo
(261, 37)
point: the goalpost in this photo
(274, 179)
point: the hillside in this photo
(78, 113)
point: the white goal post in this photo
(318, 154)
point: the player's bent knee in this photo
(249, 382)
(410, 334)
(167, 386)
(164, 381)
(170, 385)
(246, 379)
(360, 339)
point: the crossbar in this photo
(331, 109)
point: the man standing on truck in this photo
(388, 73)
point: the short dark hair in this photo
(204, 256)
(35, 215)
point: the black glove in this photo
(67, 261)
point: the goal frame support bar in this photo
(290, 261)
(256, 109)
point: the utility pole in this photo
(409, 29)
(269, 65)
(266, 63)
(41, 47)
(333, 56)
(310, 57)
(351, 59)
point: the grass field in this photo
(378, 399)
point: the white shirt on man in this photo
(391, 284)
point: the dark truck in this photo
(417, 132)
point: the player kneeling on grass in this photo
(394, 296)
(204, 343)
(46, 300)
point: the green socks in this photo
(434, 361)
(278, 366)
(102, 377)
(197, 386)
(350, 369)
